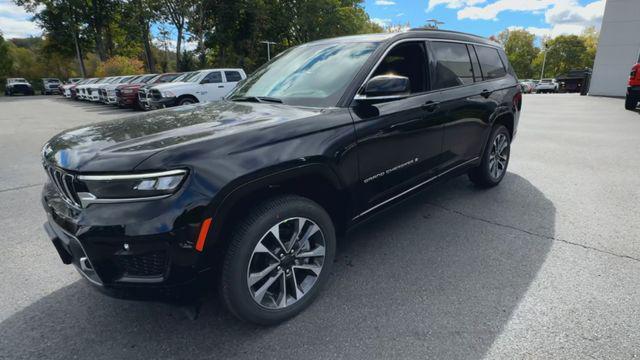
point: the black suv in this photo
(250, 192)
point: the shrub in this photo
(120, 65)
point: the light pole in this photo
(269, 43)
(544, 59)
(434, 23)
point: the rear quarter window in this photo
(490, 62)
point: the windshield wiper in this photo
(258, 99)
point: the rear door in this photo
(466, 100)
(231, 79)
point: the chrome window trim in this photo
(424, 40)
(131, 176)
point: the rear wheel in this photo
(631, 102)
(495, 159)
(279, 257)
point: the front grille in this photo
(21, 88)
(118, 93)
(150, 264)
(65, 184)
(155, 94)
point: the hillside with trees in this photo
(111, 37)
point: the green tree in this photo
(564, 53)
(521, 51)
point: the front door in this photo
(212, 87)
(399, 140)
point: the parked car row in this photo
(153, 91)
(539, 86)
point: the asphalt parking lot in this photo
(547, 265)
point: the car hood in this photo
(20, 83)
(172, 86)
(130, 86)
(120, 145)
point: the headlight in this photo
(167, 93)
(127, 91)
(130, 187)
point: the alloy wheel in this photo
(499, 156)
(286, 263)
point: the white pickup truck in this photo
(198, 86)
(547, 86)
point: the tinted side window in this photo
(475, 66)
(406, 59)
(453, 66)
(490, 62)
(232, 76)
(214, 77)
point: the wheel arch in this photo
(187, 96)
(316, 181)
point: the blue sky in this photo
(482, 17)
(489, 17)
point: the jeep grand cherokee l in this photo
(253, 189)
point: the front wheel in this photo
(187, 101)
(279, 257)
(631, 102)
(495, 159)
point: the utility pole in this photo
(269, 43)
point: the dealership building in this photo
(618, 48)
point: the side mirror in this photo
(385, 87)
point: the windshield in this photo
(145, 79)
(125, 79)
(182, 77)
(308, 75)
(17, 80)
(195, 76)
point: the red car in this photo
(633, 90)
(127, 94)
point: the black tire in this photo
(187, 100)
(631, 102)
(482, 175)
(234, 288)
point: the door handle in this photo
(430, 106)
(486, 93)
(220, 86)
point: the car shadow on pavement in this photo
(438, 276)
(99, 108)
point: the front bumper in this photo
(128, 100)
(144, 259)
(633, 90)
(159, 103)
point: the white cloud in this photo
(453, 4)
(15, 22)
(381, 22)
(18, 28)
(562, 16)
(385, 2)
(172, 43)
